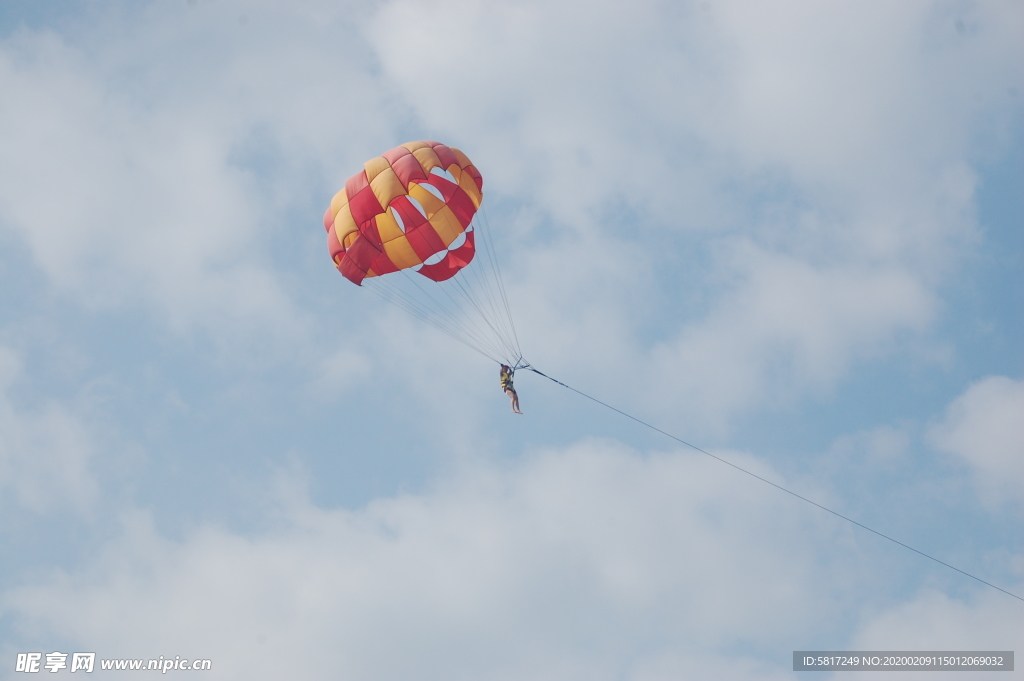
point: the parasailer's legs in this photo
(514, 398)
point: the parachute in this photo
(413, 212)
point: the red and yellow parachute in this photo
(411, 207)
(411, 211)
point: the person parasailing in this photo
(406, 228)
(506, 385)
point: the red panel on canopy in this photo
(424, 240)
(364, 204)
(393, 155)
(407, 168)
(453, 262)
(462, 206)
(445, 156)
(360, 256)
(334, 247)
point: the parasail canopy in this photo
(410, 208)
(414, 211)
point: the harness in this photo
(506, 376)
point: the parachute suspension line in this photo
(471, 307)
(427, 303)
(477, 290)
(455, 312)
(399, 303)
(486, 308)
(476, 333)
(447, 321)
(504, 296)
(466, 289)
(778, 487)
(419, 302)
(452, 324)
(441, 329)
(492, 254)
(458, 286)
(449, 324)
(456, 280)
(484, 282)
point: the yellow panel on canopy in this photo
(344, 225)
(374, 167)
(427, 158)
(446, 225)
(431, 204)
(400, 252)
(386, 186)
(387, 227)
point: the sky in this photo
(788, 233)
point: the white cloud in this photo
(45, 451)
(587, 563)
(789, 326)
(150, 168)
(935, 622)
(122, 207)
(591, 562)
(654, 106)
(339, 371)
(985, 427)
